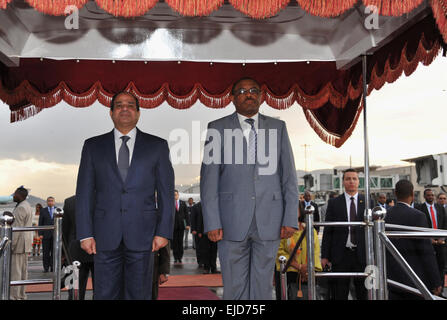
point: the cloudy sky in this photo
(405, 119)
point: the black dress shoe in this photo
(206, 272)
(215, 272)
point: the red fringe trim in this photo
(328, 137)
(439, 8)
(390, 75)
(4, 3)
(325, 8)
(259, 9)
(55, 7)
(126, 8)
(394, 8)
(194, 8)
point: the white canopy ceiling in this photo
(224, 36)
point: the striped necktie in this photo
(252, 142)
(123, 158)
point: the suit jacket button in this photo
(253, 198)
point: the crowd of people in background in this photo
(332, 254)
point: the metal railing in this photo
(6, 234)
(377, 248)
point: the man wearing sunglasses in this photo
(246, 209)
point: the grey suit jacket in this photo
(23, 217)
(232, 190)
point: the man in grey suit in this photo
(21, 242)
(249, 193)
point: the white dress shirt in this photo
(349, 244)
(130, 143)
(246, 127)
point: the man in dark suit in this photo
(162, 260)
(435, 215)
(117, 218)
(206, 247)
(74, 247)
(307, 201)
(344, 247)
(418, 253)
(189, 206)
(382, 201)
(46, 219)
(180, 224)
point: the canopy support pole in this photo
(369, 235)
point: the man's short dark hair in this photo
(427, 190)
(441, 194)
(175, 190)
(112, 103)
(22, 191)
(404, 189)
(243, 79)
(348, 170)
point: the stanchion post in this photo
(6, 221)
(57, 253)
(283, 277)
(311, 284)
(76, 265)
(378, 215)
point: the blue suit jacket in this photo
(46, 220)
(111, 210)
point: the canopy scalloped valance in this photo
(330, 98)
(259, 9)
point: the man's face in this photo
(351, 182)
(307, 197)
(176, 195)
(190, 201)
(246, 98)
(16, 197)
(124, 113)
(429, 196)
(382, 199)
(50, 202)
(442, 199)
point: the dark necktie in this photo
(123, 158)
(252, 142)
(353, 217)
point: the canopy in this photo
(296, 54)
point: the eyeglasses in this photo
(253, 90)
(129, 106)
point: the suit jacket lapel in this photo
(137, 151)
(361, 208)
(111, 155)
(427, 214)
(345, 208)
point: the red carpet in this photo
(186, 293)
(197, 280)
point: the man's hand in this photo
(194, 232)
(215, 235)
(89, 245)
(158, 243)
(325, 262)
(287, 232)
